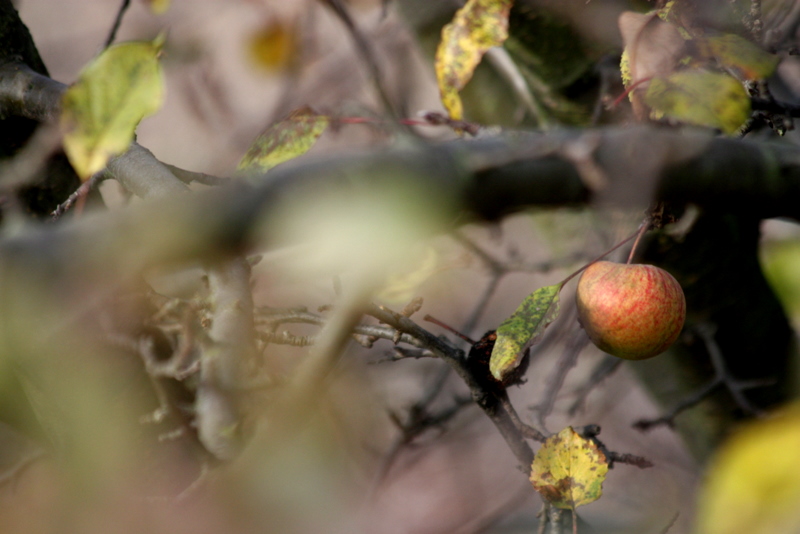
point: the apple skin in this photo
(631, 311)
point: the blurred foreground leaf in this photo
(753, 484)
(400, 286)
(476, 27)
(700, 97)
(569, 470)
(523, 329)
(285, 140)
(102, 109)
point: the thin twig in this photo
(575, 344)
(188, 177)
(365, 51)
(722, 378)
(79, 193)
(112, 35)
(418, 421)
(602, 370)
(668, 419)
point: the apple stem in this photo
(638, 233)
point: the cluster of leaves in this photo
(679, 71)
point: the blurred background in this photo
(235, 66)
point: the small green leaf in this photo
(700, 97)
(102, 109)
(523, 329)
(569, 470)
(285, 140)
(476, 27)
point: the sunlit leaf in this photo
(285, 140)
(476, 27)
(102, 109)
(159, 7)
(742, 57)
(523, 329)
(753, 483)
(271, 47)
(700, 97)
(569, 470)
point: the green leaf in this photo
(523, 329)
(285, 140)
(700, 97)
(569, 470)
(740, 56)
(102, 109)
(476, 27)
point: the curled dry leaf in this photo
(522, 330)
(476, 27)
(653, 48)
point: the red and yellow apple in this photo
(632, 311)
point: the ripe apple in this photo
(632, 311)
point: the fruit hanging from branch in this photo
(631, 311)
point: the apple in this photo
(632, 311)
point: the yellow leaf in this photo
(569, 470)
(159, 7)
(284, 140)
(476, 27)
(271, 47)
(753, 483)
(747, 60)
(102, 109)
(700, 97)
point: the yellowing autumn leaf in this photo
(753, 483)
(284, 140)
(476, 27)
(113, 93)
(523, 329)
(271, 47)
(569, 470)
(158, 7)
(700, 97)
(740, 56)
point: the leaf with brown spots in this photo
(476, 27)
(569, 470)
